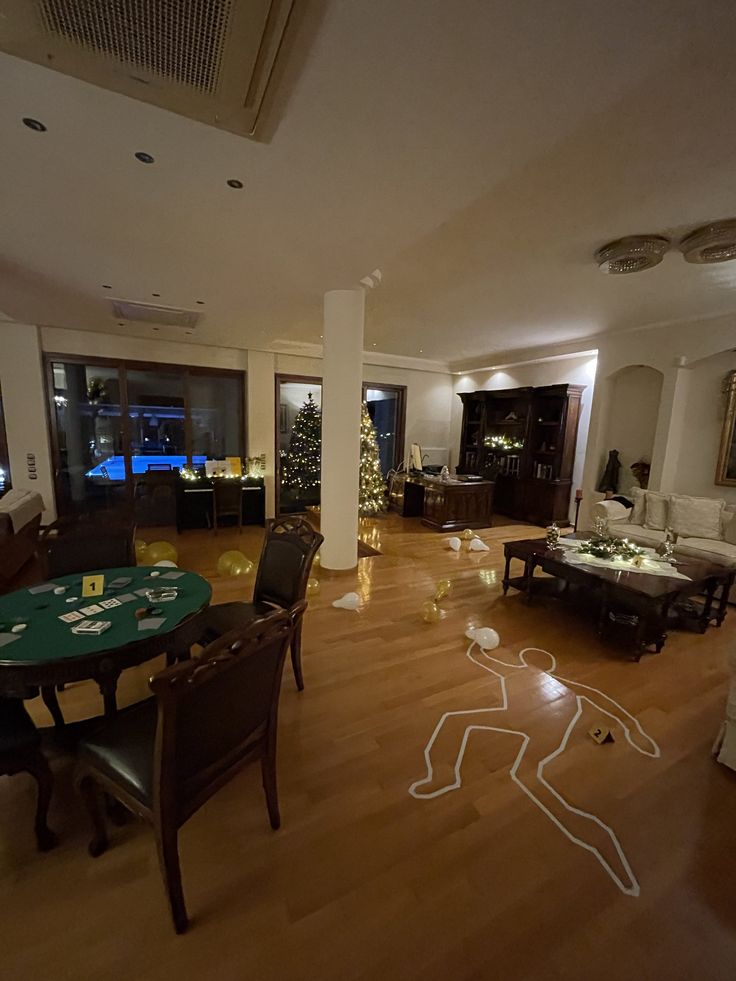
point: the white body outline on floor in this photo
(615, 712)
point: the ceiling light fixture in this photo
(106, 287)
(631, 254)
(144, 158)
(711, 243)
(234, 183)
(34, 124)
(200, 302)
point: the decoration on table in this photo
(301, 465)
(600, 527)
(255, 466)
(166, 564)
(667, 549)
(503, 443)
(234, 563)
(350, 601)
(454, 543)
(157, 551)
(431, 612)
(442, 589)
(608, 547)
(372, 487)
(96, 390)
(553, 535)
(478, 545)
(140, 549)
(312, 586)
(467, 535)
(485, 637)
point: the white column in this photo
(342, 370)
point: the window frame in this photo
(400, 392)
(122, 365)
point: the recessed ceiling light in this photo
(421, 350)
(34, 124)
(374, 344)
(155, 294)
(120, 323)
(145, 158)
(155, 328)
(234, 183)
(200, 302)
(106, 287)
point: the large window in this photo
(387, 409)
(298, 442)
(113, 422)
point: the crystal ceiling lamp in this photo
(632, 254)
(711, 243)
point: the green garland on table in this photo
(608, 547)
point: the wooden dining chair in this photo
(20, 752)
(289, 547)
(227, 501)
(84, 545)
(165, 757)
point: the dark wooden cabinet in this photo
(524, 439)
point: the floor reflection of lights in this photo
(365, 580)
(489, 577)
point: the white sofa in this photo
(705, 527)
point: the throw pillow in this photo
(729, 524)
(638, 513)
(696, 517)
(656, 511)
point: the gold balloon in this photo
(443, 589)
(241, 567)
(157, 551)
(227, 559)
(467, 535)
(317, 560)
(312, 587)
(140, 551)
(431, 613)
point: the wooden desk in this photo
(445, 505)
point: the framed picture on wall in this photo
(283, 419)
(726, 470)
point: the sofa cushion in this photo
(723, 553)
(639, 511)
(636, 533)
(695, 517)
(611, 511)
(729, 523)
(656, 511)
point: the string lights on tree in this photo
(372, 496)
(303, 460)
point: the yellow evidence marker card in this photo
(93, 585)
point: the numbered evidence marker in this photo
(600, 735)
(93, 586)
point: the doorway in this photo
(387, 409)
(298, 442)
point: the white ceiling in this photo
(476, 152)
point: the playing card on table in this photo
(109, 603)
(119, 583)
(43, 588)
(142, 592)
(71, 617)
(127, 597)
(172, 575)
(151, 623)
(89, 610)
(8, 639)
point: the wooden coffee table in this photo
(647, 603)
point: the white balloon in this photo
(167, 563)
(454, 544)
(485, 637)
(477, 545)
(350, 601)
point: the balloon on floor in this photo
(312, 587)
(140, 549)
(431, 613)
(167, 564)
(157, 551)
(234, 563)
(442, 589)
(477, 545)
(454, 543)
(350, 601)
(485, 637)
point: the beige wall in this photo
(632, 419)
(24, 403)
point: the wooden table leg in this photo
(529, 567)
(108, 688)
(726, 584)
(505, 581)
(706, 615)
(51, 701)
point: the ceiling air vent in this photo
(209, 60)
(149, 313)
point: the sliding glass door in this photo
(387, 409)
(119, 427)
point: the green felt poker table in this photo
(46, 652)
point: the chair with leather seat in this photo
(289, 547)
(20, 752)
(163, 758)
(227, 501)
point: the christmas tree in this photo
(302, 466)
(372, 497)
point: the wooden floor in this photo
(366, 882)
